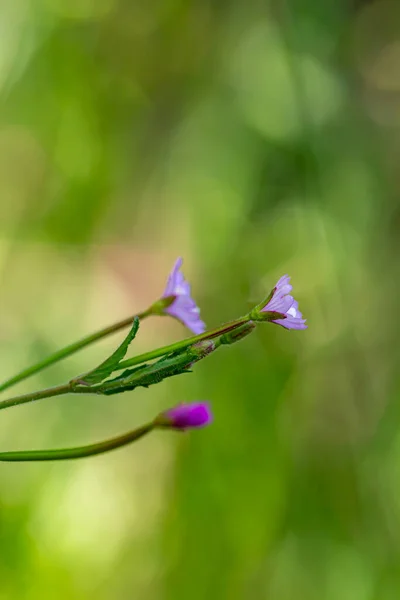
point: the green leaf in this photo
(105, 369)
(151, 373)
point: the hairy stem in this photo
(72, 388)
(158, 352)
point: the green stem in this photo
(58, 390)
(71, 349)
(80, 451)
(158, 352)
(71, 388)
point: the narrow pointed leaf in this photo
(107, 367)
(149, 374)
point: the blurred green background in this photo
(254, 139)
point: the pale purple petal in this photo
(183, 307)
(282, 302)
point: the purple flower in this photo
(182, 307)
(283, 303)
(186, 416)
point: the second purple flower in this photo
(182, 307)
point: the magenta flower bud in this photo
(178, 302)
(281, 308)
(185, 416)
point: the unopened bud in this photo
(185, 416)
(237, 334)
(202, 348)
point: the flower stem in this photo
(58, 390)
(71, 388)
(80, 451)
(71, 349)
(207, 335)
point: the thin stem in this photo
(158, 352)
(70, 388)
(71, 349)
(58, 390)
(80, 451)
